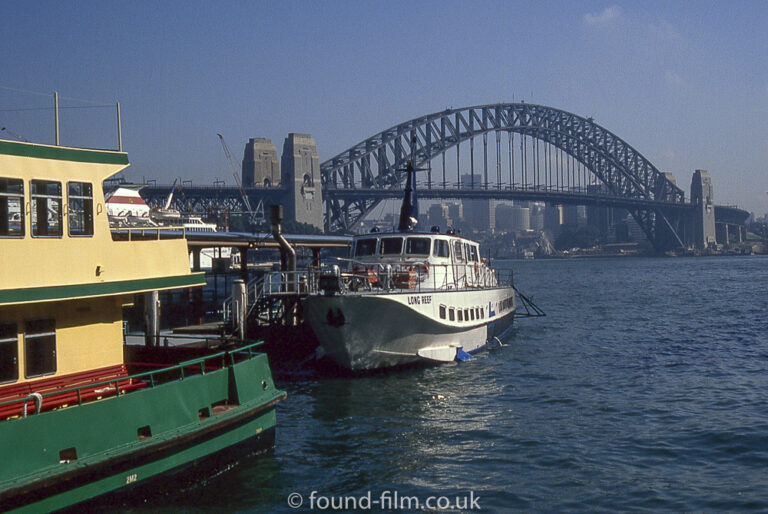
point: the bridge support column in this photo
(703, 218)
(301, 175)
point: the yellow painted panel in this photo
(89, 333)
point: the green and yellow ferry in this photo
(81, 413)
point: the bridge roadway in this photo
(206, 199)
(548, 195)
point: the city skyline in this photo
(684, 84)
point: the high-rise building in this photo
(479, 214)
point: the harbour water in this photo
(645, 387)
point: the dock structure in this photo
(198, 241)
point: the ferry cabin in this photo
(441, 261)
(65, 276)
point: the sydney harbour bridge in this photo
(506, 151)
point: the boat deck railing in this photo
(124, 384)
(409, 276)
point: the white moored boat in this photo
(409, 297)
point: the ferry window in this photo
(442, 312)
(458, 253)
(417, 246)
(9, 353)
(461, 315)
(473, 254)
(40, 347)
(441, 248)
(477, 312)
(46, 208)
(451, 314)
(11, 211)
(365, 247)
(466, 314)
(80, 212)
(472, 314)
(391, 245)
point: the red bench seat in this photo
(48, 387)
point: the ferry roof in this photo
(62, 153)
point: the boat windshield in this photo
(417, 246)
(365, 247)
(471, 252)
(458, 253)
(391, 245)
(441, 248)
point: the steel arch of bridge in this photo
(372, 165)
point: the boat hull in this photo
(370, 331)
(110, 454)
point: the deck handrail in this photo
(151, 375)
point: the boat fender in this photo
(38, 398)
(463, 356)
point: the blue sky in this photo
(685, 83)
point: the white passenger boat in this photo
(409, 296)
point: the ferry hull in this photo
(364, 332)
(111, 457)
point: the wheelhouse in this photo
(437, 247)
(428, 260)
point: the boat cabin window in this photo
(461, 315)
(442, 312)
(458, 251)
(440, 248)
(9, 353)
(417, 246)
(46, 208)
(391, 245)
(451, 314)
(11, 211)
(472, 253)
(80, 211)
(365, 247)
(40, 347)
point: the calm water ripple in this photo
(643, 389)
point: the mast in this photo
(409, 210)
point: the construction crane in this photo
(255, 216)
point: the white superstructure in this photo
(408, 297)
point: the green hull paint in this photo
(104, 434)
(60, 153)
(42, 294)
